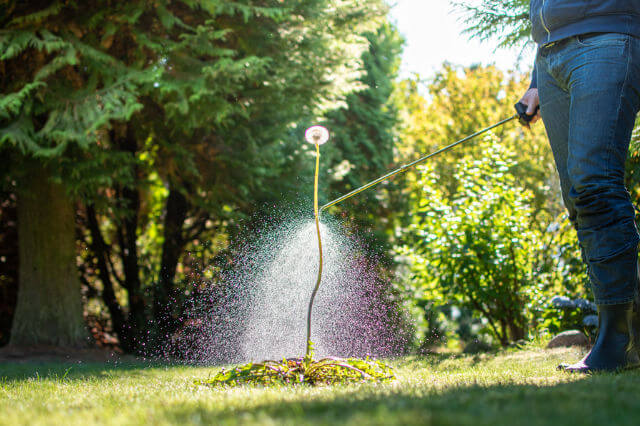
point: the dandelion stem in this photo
(317, 218)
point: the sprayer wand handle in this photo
(523, 117)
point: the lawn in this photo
(511, 388)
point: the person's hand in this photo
(531, 100)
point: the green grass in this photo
(510, 388)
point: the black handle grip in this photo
(525, 118)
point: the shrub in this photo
(479, 249)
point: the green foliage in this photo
(632, 178)
(485, 232)
(326, 371)
(555, 320)
(363, 130)
(48, 104)
(478, 249)
(462, 101)
(506, 21)
(201, 98)
(363, 138)
(188, 74)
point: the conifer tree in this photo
(59, 90)
(506, 21)
(100, 98)
(363, 140)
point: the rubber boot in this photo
(615, 347)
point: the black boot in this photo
(615, 347)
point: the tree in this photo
(504, 20)
(8, 263)
(109, 99)
(51, 110)
(216, 175)
(49, 308)
(363, 141)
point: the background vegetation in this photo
(139, 140)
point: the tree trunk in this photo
(49, 308)
(172, 247)
(129, 196)
(516, 328)
(8, 263)
(100, 250)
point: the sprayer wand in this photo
(318, 135)
(521, 114)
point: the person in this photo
(586, 81)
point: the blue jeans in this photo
(589, 88)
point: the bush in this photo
(479, 249)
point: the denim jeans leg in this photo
(601, 76)
(555, 104)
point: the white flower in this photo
(316, 135)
